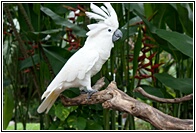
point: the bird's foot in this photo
(90, 93)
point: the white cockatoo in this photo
(88, 60)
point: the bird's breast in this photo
(104, 54)
(97, 67)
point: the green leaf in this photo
(36, 8)
(58, 20)
(137, 49)
(57, 56)
(171, 18)
(181, 42)
(72, 108)
(79, 123)
(58, 7)
(29, 62)
(96, 107)
(159, 11)
(72, 92)
(32, 16)
(153, 91)
(132, 28)
(8, 107)
(48, 31)
(62, 113)
(61, 21)
(184, 85)
(55, 60)
(92, 125)
(60, 51)
(148, 9)
(45, 74)
(186, 17)
(150, 26)
(135, 6)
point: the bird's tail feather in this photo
(48, 101)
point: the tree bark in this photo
(163, 100)
(115, 99)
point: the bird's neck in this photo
(103, 46)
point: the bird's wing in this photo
(76, 67)
(83, 62)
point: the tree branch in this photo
(82, 99)
(114, 98)
(163, 100)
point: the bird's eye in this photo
(109, 30)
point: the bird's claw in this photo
(90, 93)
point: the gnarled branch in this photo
(114, 98)
(163, 100)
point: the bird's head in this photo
(107, 22)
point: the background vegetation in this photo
(156, 53)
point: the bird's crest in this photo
(105, 15)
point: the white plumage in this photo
(87, 61)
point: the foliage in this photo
(156, 53)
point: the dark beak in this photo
(117, 35)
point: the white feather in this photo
(105, 10)
(109, 7)
(94, 16)
(48, 101)
(95, 28)
(99, 11)
(92, 26)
